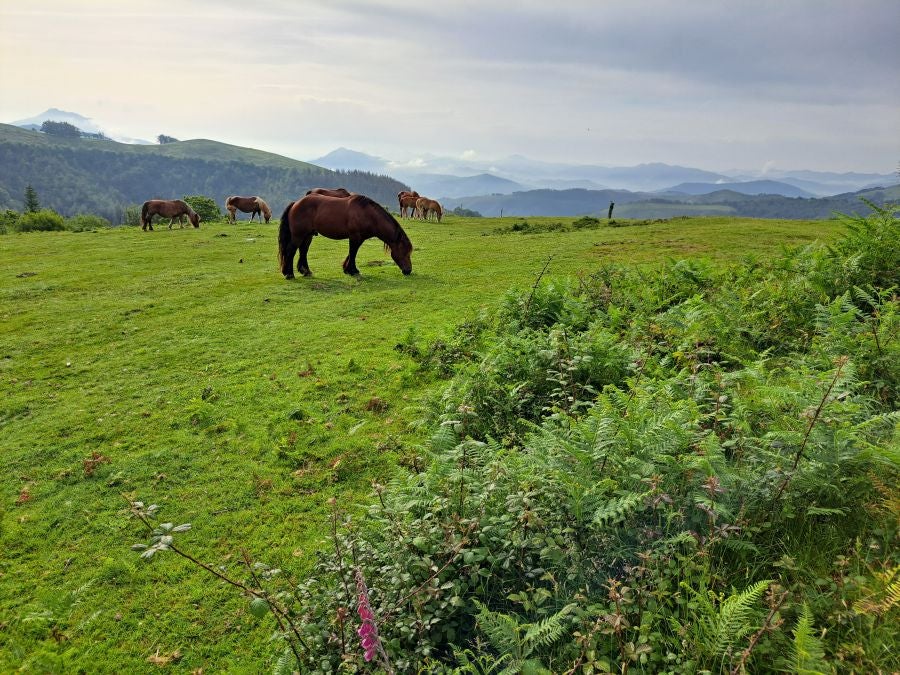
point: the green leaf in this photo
(259, 607)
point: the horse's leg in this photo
(350, 261)
(302, 263)
(287, 260)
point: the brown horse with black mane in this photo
(356, 218)
(329, 192)
(407, 202)
(167, 208)
(255, 206)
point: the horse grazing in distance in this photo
(167, 208)
(329, 192)
(426, 207)
(356, 218)
(407, 202)
(255, 206)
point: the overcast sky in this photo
(719, 85)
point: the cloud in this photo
(693, 82)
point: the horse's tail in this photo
(284, 235)
(144, 209)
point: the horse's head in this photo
(401, 252)
(194, 217)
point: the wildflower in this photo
(368, 631)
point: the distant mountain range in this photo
(645, 205)
(103, 176)
(750, 187)
(441, 177)
(81, 175)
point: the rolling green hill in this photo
(103, 177)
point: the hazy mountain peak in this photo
(57, 115)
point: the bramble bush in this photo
(682, 470)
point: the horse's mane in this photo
(264, 207)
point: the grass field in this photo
(237, 401)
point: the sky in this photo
(754, 85)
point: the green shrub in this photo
(44, 220)
(586, 222)
(85, 222)
(206, 207)
(8, 220)
(132, 216)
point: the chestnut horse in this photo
(425, 207)
(328, 192)
(167, 208)
(255, 206)
(356, 218)
(407, 203)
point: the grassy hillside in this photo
(103, 177)
(179, 368)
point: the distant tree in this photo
(63, 129)
(205, 206)
(163, 139)
(465, 213)
(32, 205)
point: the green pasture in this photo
(179, 368)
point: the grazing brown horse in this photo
(167, 208)
(407, 203)
(255, 206)
(356, 218)
(426, 207)
(329, 192)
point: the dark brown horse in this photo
(255, 206)
(407, 203)
(167, 208)
(356, 218)
(329, 192)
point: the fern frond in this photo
(885, 599)
(616, 510)
(502, 630)
(808, 656)
(733, 620)
(547, 631)
(286, 663)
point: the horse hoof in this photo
(288, 276)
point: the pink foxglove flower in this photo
(368, 631)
